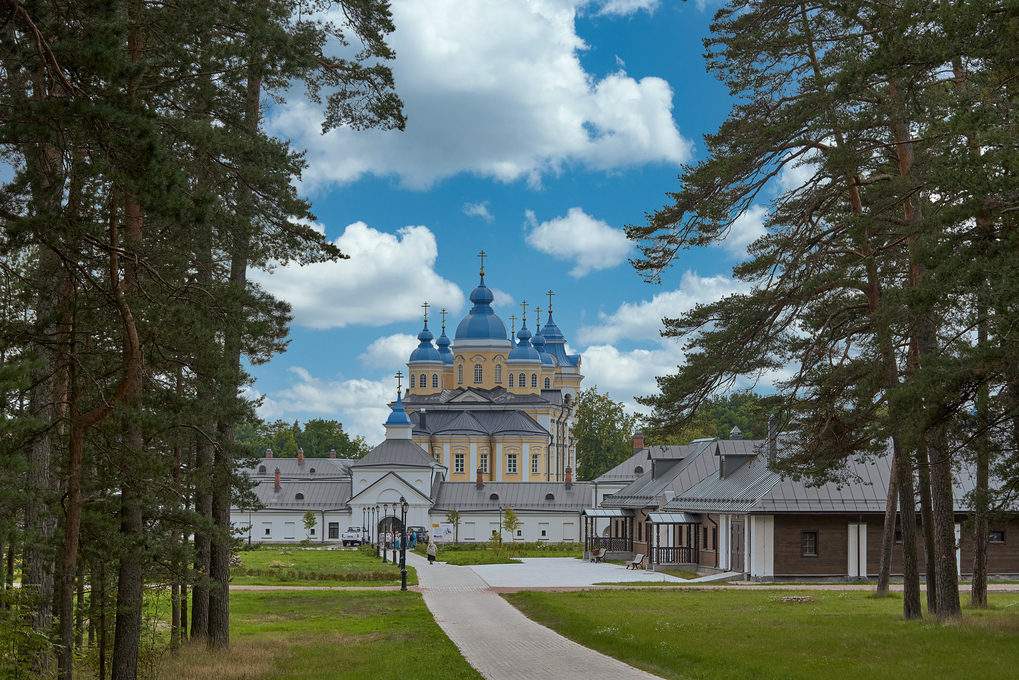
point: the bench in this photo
(636, 563)
(598, 555)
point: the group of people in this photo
(393, 541)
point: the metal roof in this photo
(396, 452)
(698, 462)
(466, 497)
(674, 518)
(608, 512)
(472, 422)
(312, 468)
(318, 494)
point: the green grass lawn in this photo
(747, 634)
(469, 554)
(296, 566)
(325, 635)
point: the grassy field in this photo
(356, 635)
(295, 566)
(469, 554)
(747, 634)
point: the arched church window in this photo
(522, 380)
(511, 376)
(413, 381)
(435, 381)
(548, 383)
(460, 374)
(498, 373)
(477, 373)
(423, 380)
(534, 380)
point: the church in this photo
(486, 423)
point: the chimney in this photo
(481, 480)
(735, 433)
(638, 440)
(332, 453)
(569, 478)
(268, 453)
(277, 479)
(772, 439)
(300, 456)
(421, 420)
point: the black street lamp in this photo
(385, 521)
(375, 528)
(403, 545)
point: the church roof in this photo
(555, 344)
(477, 422)
(317, 494)
(498, 396)
(313, 468)
(425, 351)
(399, 414)
(523, 351)
(481, 323)
(396, 452)
(443, 343)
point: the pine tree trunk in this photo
(927, 519)
(949, 608)
(888, 534)
(911, 607)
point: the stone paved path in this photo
(498, 640)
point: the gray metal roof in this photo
(608, 512)
(625, 471)
(469, 422)
(396, 452)
(697, 463)
(498, 396)
(312, 468)
(521, 496)
(318, 494)
(674, 518)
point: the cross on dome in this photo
(443, 313)
(537, 317)
(399, 382)
(549, 294)
(426, 306)
(523, 319)
(482, 256)
(513, 320)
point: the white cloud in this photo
(361, 405)
(624, 7)
(386, 279)
(502, 299)
(498, 90)
(747, 228)
(626, 375)
(478, 210)
(643, 320)
(390, 351)
(589, 242)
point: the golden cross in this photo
(523, 319)
(537, 317)
(549, 294)
(399, 381)
(482, 256)
(443, 313)
(426, 306)
(513, 320)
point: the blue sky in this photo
(536, 131)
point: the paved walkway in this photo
(502, 643)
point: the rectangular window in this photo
(808, 541)
(458, 463)
(312, 532)
(535, 461)
(511, 464)
(267, 528)
(484, 463)
(478, 375)
(511, 380)
(705, 546)
(289, 529)
(640, 531)
(898, 537)
(996, 537)
(334, 530)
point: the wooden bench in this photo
(598, 555)
(636, 563)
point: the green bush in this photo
(366, 549)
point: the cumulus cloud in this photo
(497, 90)
(626, 375)
(747, 228)
(643, 320)
(502, 299)
(592, 244)
(361, 405)
(386, 279)
(478, 210)
(390, 351)
(625, 7)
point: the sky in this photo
(536, 130)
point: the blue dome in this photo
(551, 331)
(425, 351)
(555, 344)
(481, 323)
(539, 345)
(523, 351)
(443, 344)
(398, 416)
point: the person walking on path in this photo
(432, 551)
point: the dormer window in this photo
(312, 471)
(299, 497)
(494, 497)
(261, 469)
(638, 470)
(549, 497)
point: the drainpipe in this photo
(750, 546)
(324, 526)
(718, 532)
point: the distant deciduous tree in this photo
(604, 433)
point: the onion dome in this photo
(443, 343)
(555, 343)
(523, 351)
(399, 415)
(539, 346)
(425, 351)
(481, 323)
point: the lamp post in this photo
(403, 545)
(385, 515)
(375, 528)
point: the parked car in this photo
(422, 533)
(354, 536)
